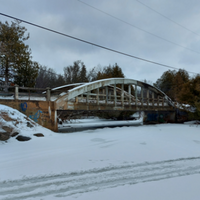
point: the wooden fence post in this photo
(16, 92)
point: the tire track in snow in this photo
(65, 184)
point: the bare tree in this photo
(75, 73)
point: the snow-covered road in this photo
(79, 182)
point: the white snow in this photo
(158, 162)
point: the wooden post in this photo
(16, 92)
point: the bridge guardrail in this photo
(16, 92)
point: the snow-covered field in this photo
(158, 162)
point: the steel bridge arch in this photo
(87, 87)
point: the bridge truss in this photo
(112, 94)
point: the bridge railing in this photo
(24, 93)
(119, 100)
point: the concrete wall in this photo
(42, 112)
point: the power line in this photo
(96, 45)
(168, 18)
(121, 20)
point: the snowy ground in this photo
(158, 162)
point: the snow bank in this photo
(20, 123)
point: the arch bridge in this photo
(114, 97)
(111, 94)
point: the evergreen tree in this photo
(179, 87)
(113, 72)
(110, 72)
(166, 83)
(12, 47)
(83, 74)
(190, 94)
(171, 82)
(27, 73)
(181, 77)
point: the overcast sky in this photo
(139, 29)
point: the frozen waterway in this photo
(86, 124)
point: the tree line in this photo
(76, 73)
(181, 88)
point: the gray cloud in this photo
(76, 19)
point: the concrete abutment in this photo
(42, 112)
